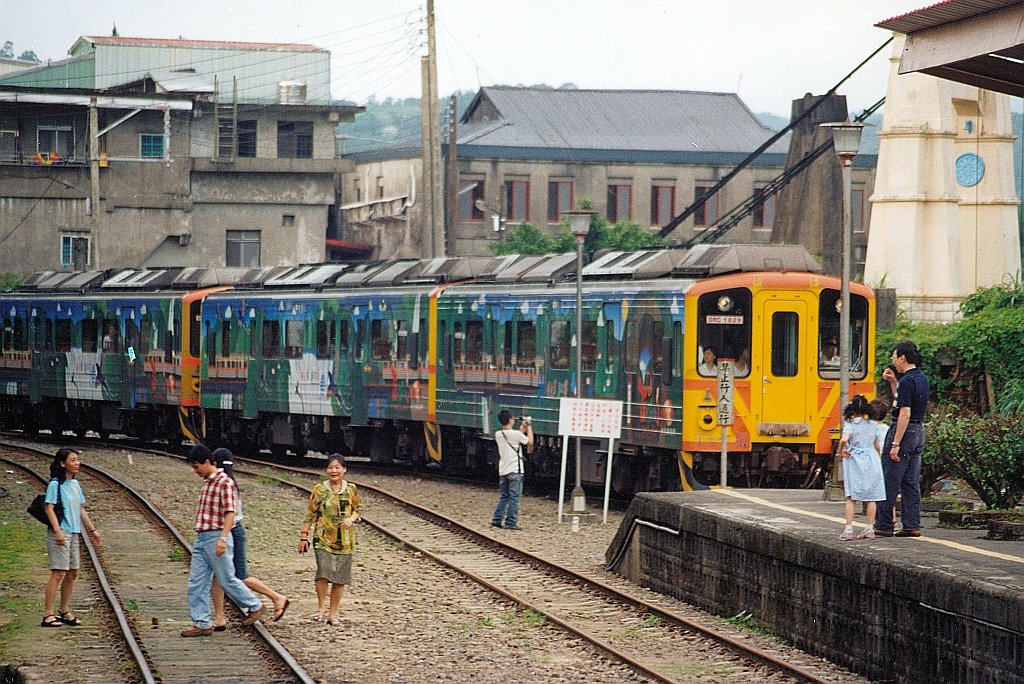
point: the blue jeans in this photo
(902, 477)
(206, 565)
(510, 488)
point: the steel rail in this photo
(724, 640)
(269, 640)
(108, 592)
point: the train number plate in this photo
(724, 320)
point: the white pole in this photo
(725, 455)
(561, 480)
(608, 479)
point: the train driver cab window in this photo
(828, 334)
(560, 344)
(723, 330)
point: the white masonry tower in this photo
(944, 210)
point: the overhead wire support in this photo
(741, 211)
(700, 201)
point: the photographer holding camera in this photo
(510, 468)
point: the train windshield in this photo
(723, 330)
(828, 334)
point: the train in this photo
(410, 360)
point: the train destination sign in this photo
(717, 319)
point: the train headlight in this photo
(724, 303)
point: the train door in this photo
(129, 359)
(783, 391)
(36, 344)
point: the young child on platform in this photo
(862, 466)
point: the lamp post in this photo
(579, 223)
(846, 140)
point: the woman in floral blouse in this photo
(332, 512)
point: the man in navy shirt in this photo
(901, 454)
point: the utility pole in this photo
(452, 178)
(94, 182)
(431, 137)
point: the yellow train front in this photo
(781, 330)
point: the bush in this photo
(986, 452)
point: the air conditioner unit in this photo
(185, 239)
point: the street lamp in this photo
(579, 224)
(846, 140)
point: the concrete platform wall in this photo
(880, 614)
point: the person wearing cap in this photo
(829, 355)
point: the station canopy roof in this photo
(977, 42)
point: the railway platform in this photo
(944, 607)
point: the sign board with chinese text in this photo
(590, 418)
(725, 384)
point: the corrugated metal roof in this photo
(942, 13)
(75, 72)
(189, 43)
(663, 120)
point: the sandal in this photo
(72, 621)
(51, 620)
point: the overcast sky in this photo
(768, 52)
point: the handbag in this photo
(37, 509)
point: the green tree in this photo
(525, 238)
(9, 281)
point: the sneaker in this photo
(866, 533)
(197, 632)
(908, 533)
(847, 535)
(254, 616)
(496, 524)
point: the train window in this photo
(653, 344)
(5, 335)
(423, 339)
(560, 344)
(131, 333)
(343, 339)
(474, 342)
(62, 335)
(785, 344)
(508, 343)
(293, 334)
(271, 339)
(459, 343)
(632, 347)
(611, 345)
(195, 316)
(90, 333)
(20, 335)
(146, 339)
(211, 343)
(526, 338)
(723, 328)
(643, 345)
(169, 350)
(402, 340)
(588, 353)
(325, 339)
(380, 341)
(677, 349)
(494, 343)
(360, 332)
(828, 334)
(112, 338)
(225, 338)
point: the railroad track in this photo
(607, 618)
(148, 559)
